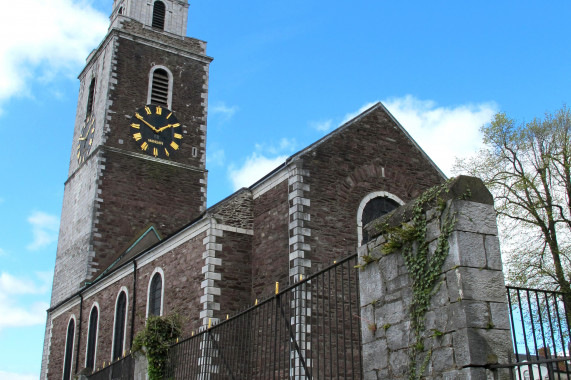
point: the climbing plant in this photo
(154, 340)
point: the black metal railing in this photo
(310, 330)
(540, 333)
(122, 369)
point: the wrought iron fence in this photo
(122, 369)
(310, 330)
(540, 333)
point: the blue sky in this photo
(284, 74)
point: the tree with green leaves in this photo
(527, 167)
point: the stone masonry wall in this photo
(466, 325)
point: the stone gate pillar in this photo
(466, 325)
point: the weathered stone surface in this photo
(466, 249)
(493, 253)
(476, 284)
(478, 347)
(475, 217)
(375, 355)
(500, 315)
(371, 285)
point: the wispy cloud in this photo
(12, 290)
(216, 157)
(17, 376)
(321, 126)
(444, 132)
(69, 30)
(226, 112)
(2, 252)
(44, 230)
(255, 167)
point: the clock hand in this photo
(165, 127)
(144, 121)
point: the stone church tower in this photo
(138, 153)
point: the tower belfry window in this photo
(90, 98)
(160, 88)
(159, 12)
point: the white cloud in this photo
(255, 167)
(44, 229)
(12, 291)
(351, 115)
(222, 109)
(17, 376)
(443, 132)
(321, 126)
(46, 39)
(216, 157)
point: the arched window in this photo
(90, 98)
(68, 358)
(159, 12)
(92, 338)
(160, 87)
(155, 295)
(119, 327)
(374, 206)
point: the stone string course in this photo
(468, 308)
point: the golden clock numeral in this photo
(167, 152)
(155, 152)
(144, 146)
(159, 110)
(78, 155)
(136, 126)
(92, 130)
(177, 136)
(170, 114)
(174, 145)
(90, 142)
(148, 110)
(137, 136)
(176, 125)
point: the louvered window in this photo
(155, 295)
(160, 88)
(159, 12)
(68, 350)
(90, 98)
(92, 338)
(119, 333)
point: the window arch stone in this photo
(92, 337)
(362, 206)
(156, 292)
(120, 324)
(69, 351)
(160, 86)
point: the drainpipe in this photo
(79, 333)
(134, 302)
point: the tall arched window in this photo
(160, 87)
(68, 358)
(92, 338)
(90, 97)
(119, 326)
(374, 206)
(155, 295)
(159, 12)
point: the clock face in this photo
(156, 131)
(85, 139)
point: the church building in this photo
(136, 238)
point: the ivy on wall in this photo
(154, 340)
